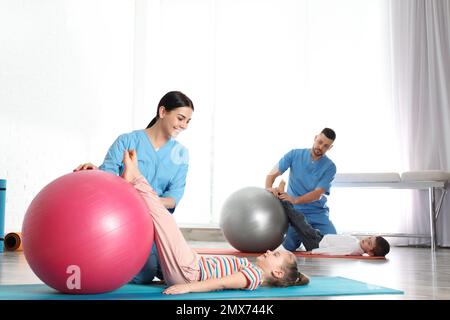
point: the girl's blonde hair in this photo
(292, 277)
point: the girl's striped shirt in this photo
(222, 266)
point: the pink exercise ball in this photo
(87, 232)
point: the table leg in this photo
(432, 205)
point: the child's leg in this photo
(180, 264)
(308, 235)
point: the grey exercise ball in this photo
(253, 220)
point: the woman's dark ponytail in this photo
(152, 122)
(172, 100)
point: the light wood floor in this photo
(418, 272)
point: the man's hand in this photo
(85, 166)
(274, 191)
(285, 197)
(178, 289)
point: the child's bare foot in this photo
(131, 169)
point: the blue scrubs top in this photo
(165, 169)
(307, 175)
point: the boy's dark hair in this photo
(382, 247)
(329, 133)
(292, 277)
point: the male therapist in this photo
(310, 177)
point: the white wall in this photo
(265, 77)
(66, 90)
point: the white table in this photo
(437, 180)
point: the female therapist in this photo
(162, 160)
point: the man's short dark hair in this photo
(382, 247)
(329, 133)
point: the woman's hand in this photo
(178, 289)
(85, 166)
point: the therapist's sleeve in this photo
(286, 161)
(327, 179)
(113, 159)
(176, 186)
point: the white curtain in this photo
(421, 68)
(287, 69)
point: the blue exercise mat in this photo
(319, 286)
(2, 211)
